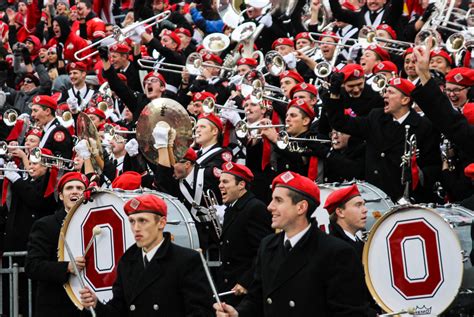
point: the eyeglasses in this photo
(152, 81)
(455, 91)
(27, 81)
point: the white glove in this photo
(266, 20)
(290, 60)
(160, 135)
(236, 79)
(132, 147)
(82, 149)
(24, 117)
(230, 115)
(110, 114)
(73, 105)
(137, 36)
(3, 98)
(11, 175)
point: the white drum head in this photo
(413, 259)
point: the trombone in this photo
(284, 140)
(242, 129)
(210, 106)
(120, 35)
(110, 132)
(51, 161)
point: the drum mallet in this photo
(95, 232)
(209, 277)
(410, 311)
(224, 294)
(76, 270)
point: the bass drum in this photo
(376, 200)
(461, 219)
(114, 237)
(413, 261)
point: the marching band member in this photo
(55, 136)
(42, 263)
(96, 115)
(154, 276)
(246, 223)
(458, 86)
(386, 68)
(440, 61)
(286, 48)
(371, 56)
(245, 65)
(409, 66)
(79, 94)
(119, 55)
(187, 45)
(384, 132)
(298, 254)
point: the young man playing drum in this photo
(42, 263)
(154, 276)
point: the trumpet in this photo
(9, 117)
(258, 95)
(284, 140)
(242, 129)
(209, 106)
(5, 169)
(110, 132)
(323, 70)
(458, 41)
(4, 147)
(120, 35)
(379, 83)
(422, 38)
(210, 200)
(274, 63)
(51, 161)
(366, 36)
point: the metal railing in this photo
(13, 270)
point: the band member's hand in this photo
(225, 310)
(104, 53)
(239, 290)
(10, 174)
(80, 263)
(82, 149)
(18, 153)
(422, 60)
(270, 133)
(132, 147)
(88, 298)
(87, 194)
(337, 79)
(161, 135)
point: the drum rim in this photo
(365, 253)
(67, 286)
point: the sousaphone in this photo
(171, 112)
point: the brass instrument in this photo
(51, 161)
(9, 117)
(284, 141)
(379, 83)
(274, 63)
(6, 169)
(323, 16)
(4, 147)
(85, 130)
(446, 149)
(229, 11)
(119, 35)
(210, 200)
(459, 41)
(216, 42)
(171, 112)
(323, 70)
(242, 129)
(210, 106)
(111, 131)
(366, 36)
(409, 150)
(422, 38)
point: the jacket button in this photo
(382, 154)
(132, 307)
(376, 172)
(156, 307)
(226, 280)
(227, 241)
(228, 263)
(269, 301)
(221, 243)
(291, 303)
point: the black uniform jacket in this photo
(321, 276)
(43, 267)
(246, 223)
(59, 141)
(173, 284)
(385, 146)
(336, 231)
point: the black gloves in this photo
(104, 53)
(336, 81)
(428, 12)
(26, 56)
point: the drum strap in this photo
(198, 189)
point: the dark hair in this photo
(296, 197)
(240, 179)
(88, 3)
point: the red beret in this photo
(190, 155)
(120, 48)
(213, 119)
(252, 62)
(382, 53)
(352, 71)
(95, 111)
(183, 31)
(330, 35)
(146, 203)
(72, 176)
(199, 48)
(238, 170)
(172, 36)
(298, 183)
(201, 96)
(303, 106)
(468, 112)
(408, 51)
(461, 76)
(388, 29)
(46, 101)
(283, 41)
(346, 4)
(440, 52)
(154, 74)
(340, 197)
(302, 35)
(76, 66)
(36, 132)
(129, 180)
(385, 66)
(292, 74)
(469, 171)
(402, 84)
(212, 58)
(304, 87)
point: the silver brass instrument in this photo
(409, 150)
(366, 36)
(4, 147)
(274, 63)
(459, 41)
(51, 161)
(242, 129)
(5, 169)
(216, 42)
(284, 141)
(157, 65)
(110, 132)
(422, 38)
(323, 70)
(379, 83)
(119, 35)
(210, 200)
(446, 149)
(209, 106)
(9, 117)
